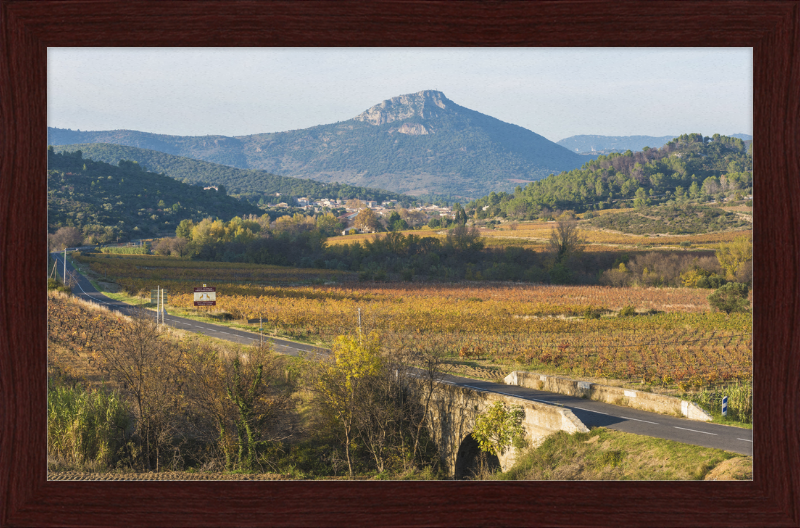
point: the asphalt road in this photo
(590, 412)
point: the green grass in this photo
(603, 454)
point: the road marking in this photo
(694, 430)
(637, 420)
(507, 394)
(745, 440)
(598, 412)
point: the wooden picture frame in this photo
(29, 27)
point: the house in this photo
(350, 231)
(211, 187)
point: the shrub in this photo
(730, 298)
(592, 313)
(55, 284)
(627, 311)
(85, 429)
(127, 250)
(499, 427)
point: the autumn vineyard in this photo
(673, 340)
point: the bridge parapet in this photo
(636, 399)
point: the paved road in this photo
(590, 412)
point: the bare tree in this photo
(432, 368)
(565, 240)
(244, 395)
(150, 370)
(366, 220)
(65, 237)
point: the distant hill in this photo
(421, 143)
(606, 144)
(126, 201)
(240, 181)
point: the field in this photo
(674, 340)
(534, 235)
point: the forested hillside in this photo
(688, 167)
(240, 181)
(416, 144)
(107, 202)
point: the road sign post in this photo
(724, 406)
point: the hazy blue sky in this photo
(556, 92)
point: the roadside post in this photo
(724, 406)
(160, 299)
(260, 321)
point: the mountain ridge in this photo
(421, 143)
(595, 144)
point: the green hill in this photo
(688, 167)
(240, 181)
(126, 201)
(420, 143)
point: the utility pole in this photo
(359, 319)
(65, 267)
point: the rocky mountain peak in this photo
(425, 104)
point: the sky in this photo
(555, 92)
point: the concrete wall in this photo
(645, 401)
(454, 409)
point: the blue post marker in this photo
(724, 406)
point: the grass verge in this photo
(603, 454)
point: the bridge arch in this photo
(453, 411)
(470, 460)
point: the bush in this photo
(627, 311)
(730, 298)
(55, 284)
(500, 427)
(85, 429)
(127, 250)
(592, 313)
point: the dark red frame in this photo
(28, 27)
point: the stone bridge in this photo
(452, 416)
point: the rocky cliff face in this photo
(425, 104)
